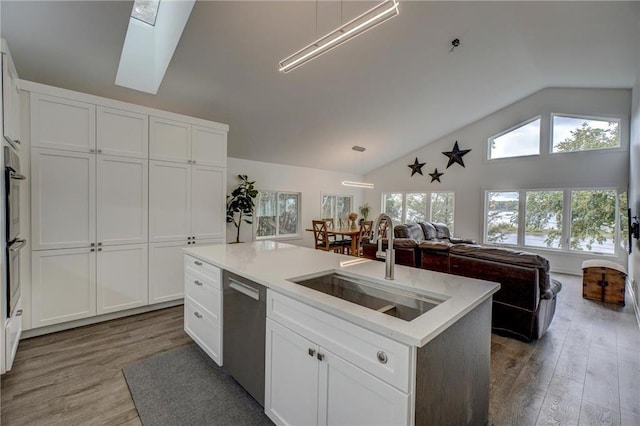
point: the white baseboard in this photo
(94, 320)
(634, 302)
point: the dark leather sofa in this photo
(524, 305)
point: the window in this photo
(277, 214)
(336, 206)
(416, 207)
(502, 217)
(145, 11)
(593, 220)
(623, 219)
(580, 220)
(572, 134)
(543, 219)
(522, 140)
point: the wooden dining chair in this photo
(321, 236)
(366, 228)
(330, 225)
(343, 222)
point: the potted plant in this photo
(364, 211)
(240, 205)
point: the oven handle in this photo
(17, 176)
(18, 245)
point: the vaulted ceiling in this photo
(391, 90)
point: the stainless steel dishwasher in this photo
(244, 323)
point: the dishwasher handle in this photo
(244, 289)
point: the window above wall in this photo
(579, 133)
(519, 141)
(336, 207)
(413, 207)
(277, 215)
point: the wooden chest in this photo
(603, 281)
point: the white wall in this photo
(312, 183)
(575, 170)
(634, 191)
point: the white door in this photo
(208, 207)
(10, 99)
(121, 277)
(62, 123)
(63, 285)
(120, 132)
(63, 207)
(166, 271)
(169, 140)
(122, 200)
(351, 396)
(291, 379)
(169, 201)
(208, 146)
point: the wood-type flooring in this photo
(585, 370)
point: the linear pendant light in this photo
(363, 23)
(367, 185)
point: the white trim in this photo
(31, 86)
(636, 307)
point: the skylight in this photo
(145, 11)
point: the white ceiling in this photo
(391, 90)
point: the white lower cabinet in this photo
(121, 277)
(166, 274)
(13, 331)
(306, 383)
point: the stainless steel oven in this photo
(12, 180)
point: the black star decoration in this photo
(416, 167)
(435, 176)
(455, 156)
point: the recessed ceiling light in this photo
(145, 11)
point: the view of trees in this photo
(440, 205)
(442, 208)
(586, 137)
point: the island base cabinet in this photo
(307, 384)
(203, 329)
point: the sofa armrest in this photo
(551, 292)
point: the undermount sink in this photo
(397, 303)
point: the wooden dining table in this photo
(346, 232)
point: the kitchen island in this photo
(362, 350)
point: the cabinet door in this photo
(208, 207)
(63, 208)
(169, 140)
(63, 285)
(122, 132)
(122, 200)
(10, 99)
(203, 330)
(13, 331)
(350, 396)
(62, 123)
(169, 201)
(166, 271)
(121, 277)
(208, 146)
(291, 379)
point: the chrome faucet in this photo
(390, 255)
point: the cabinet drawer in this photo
(349, 341)
(204, 293)
(203, 330)
(205, 269)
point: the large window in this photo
(336, 207)
(581, 220)
(277, 214)
(572, 134)
(413, 207)
(522, 140)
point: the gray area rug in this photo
(184, 386)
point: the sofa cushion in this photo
(455, 240)
(428, 230)
(411, 230)
(502, 255)
(442, 246)
(442, 230)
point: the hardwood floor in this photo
(586, 370)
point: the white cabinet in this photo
(186, 202)
(62, 199)
(10, 97)
(122, 132)
(203, 306)
(13, 331)
(122, 200)
(323, 370)
(62, 123)
(62, 285)
(181, 142)
(121, 277)
(166, 271)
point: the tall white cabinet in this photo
(108, 224)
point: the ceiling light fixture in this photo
(367, 185)
(363, 23)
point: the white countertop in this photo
(273, 264)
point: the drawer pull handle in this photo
(382, 357)
(312, 352)
(197, 262)
(196, 282)
(197, 315)
(320, 357)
